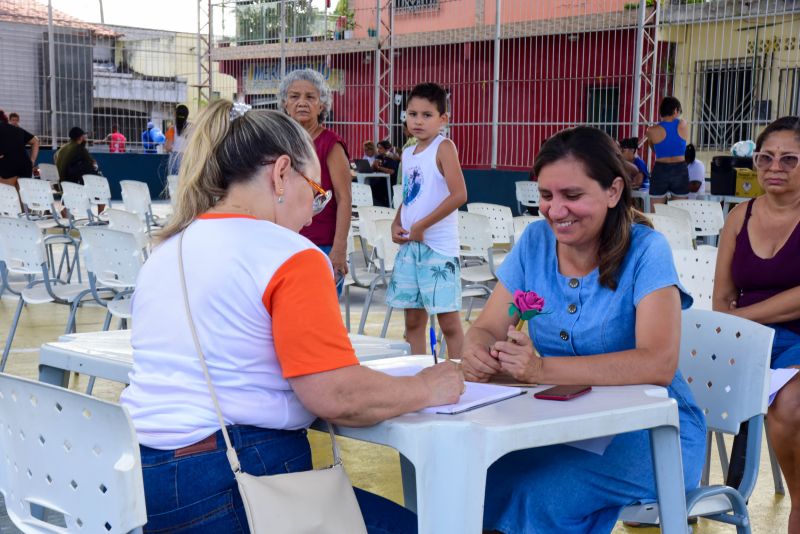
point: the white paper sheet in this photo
(779, 379)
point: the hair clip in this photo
(239, 109)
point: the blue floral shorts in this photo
(423, 278)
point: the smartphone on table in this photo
(562, 393)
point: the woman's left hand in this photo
(338, 260)
(518, 357)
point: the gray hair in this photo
(314, 77)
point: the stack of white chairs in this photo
(69, 453)
(361, 198)
(366, 229)
(477, 269)
(23, 246)
(376, 233)
(527, 192)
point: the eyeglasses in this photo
(787, 162)
(321, 197)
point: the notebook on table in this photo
(476, 395)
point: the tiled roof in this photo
(32, 12)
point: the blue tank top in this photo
(673, 144)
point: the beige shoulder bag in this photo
(319, 501)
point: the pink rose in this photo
(528, 300)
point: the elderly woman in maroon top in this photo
(758, 278)
(306, 98)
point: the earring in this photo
(280, 196)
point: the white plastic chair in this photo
(126, 221)
(696, 273)
(677, 231)
(397, 196)
(477, 268)
(501, 221)
(366, 229)
(527, 194)
(49, 173)
(24, 248)
(136, 199)
(70, 453)
(98, 190)
(677, 213)
(725, 361)
(172, 188)
(385, 251)
(9, 201)
(706, 214)
(76, 201)
(362, 196)
(37, 196)
(113, 259)
(522, 222)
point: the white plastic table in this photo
(644, 194)
(361, 177)
(109, 355)
(451, 454)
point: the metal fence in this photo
(516, 70)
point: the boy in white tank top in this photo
(426, 277)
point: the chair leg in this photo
(706, 466)
(90, 386)
(386, 319)
(723, 452)
(367, 303)
(776, 468)
(11, 332)
(347, 307)
(469, 308)
(107, 322)
(73, 312)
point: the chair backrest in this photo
(474, 235)
(501, 220)
(23, 245)
(172, 187)
(97, 188)
(725, 359)
(71, 453)
(527, 192)
(678, 213)
(36, 195)
(75, 199)
(9, 201)
(677, 231)
(126, 221)
(48, 172)
(112, 256)
(696, 272)
(397, 196)
(368, 215)
(385, 248)
(707, 215)
(136, 197)
(522, 222)
(362, 195)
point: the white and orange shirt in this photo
(265, 308)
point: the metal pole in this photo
(496, 84)
(637, 70)
(199, 49)
(283, 38)
(210, 64)
(102, 16)
(51, 51)
(376, 108)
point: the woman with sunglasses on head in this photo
(758, 278)
(305, 96)
(268, 322)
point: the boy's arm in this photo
(449, 166)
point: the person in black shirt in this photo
(15, 162)
(73, 160)
(385, 162)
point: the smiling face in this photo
(776, 179)
(303, 103)
(574, 204)
(423, 119)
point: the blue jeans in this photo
(197, 493)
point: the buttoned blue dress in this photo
(561, 489)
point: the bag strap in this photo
(233, 458)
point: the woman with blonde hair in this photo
(268, 322)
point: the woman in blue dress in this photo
(614, 303)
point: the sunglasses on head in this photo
(787, 162)
(321, 197)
